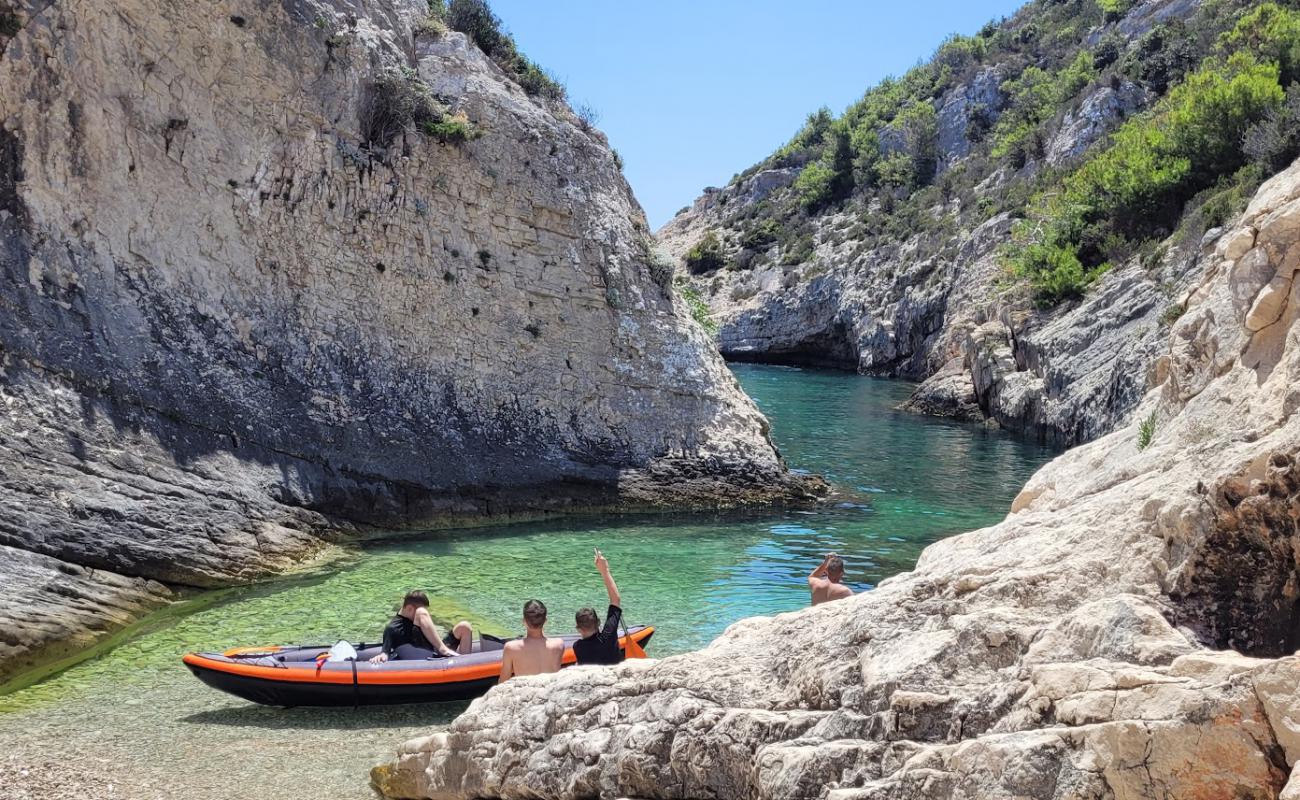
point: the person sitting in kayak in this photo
(534, 654)
(600, 645)
(412, 636)
(824, 582)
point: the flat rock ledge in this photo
(1126, 632)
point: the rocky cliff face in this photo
(239, 323)
(900, 282)
(1125, 633)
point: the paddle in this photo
(634, 650)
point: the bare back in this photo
(531, 655)
(825, 590)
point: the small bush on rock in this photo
(706, 255)
(700, 311)
(455, 129)
(1146, 431)
(397, 100)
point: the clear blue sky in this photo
(691, 93)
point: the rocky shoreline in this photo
(1125, 633)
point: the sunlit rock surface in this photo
(1125, 633)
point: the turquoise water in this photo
(903, 481)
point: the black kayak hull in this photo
(292, 676)
(291, 694)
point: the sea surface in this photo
(133, 723)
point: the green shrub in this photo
(1108, 51)
(431, 27)
(1172, 313)
(917, 126)
(1137, 187)
(1274, 141)
(396, 101)
(1114, 9)
(811, 136)
(1034, 97)
(1146, 431)
(798, 252)
(829, 178)
(1162, 56)
(1272, 33)
(475, 19)
(706, 255)
(761, 236)
(1053, 270)
(660, 266)
(700, 311)
(455, 129)
(814, 185)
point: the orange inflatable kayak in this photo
(298, 676)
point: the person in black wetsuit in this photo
(411, 635)
(600, 645)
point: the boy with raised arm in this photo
(600, 645)
(824, 581)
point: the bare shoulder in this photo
(554, 644)
(840, 590)
(514, 645)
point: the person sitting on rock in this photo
(534, 654)
(600, 645)
(824, 582)
(411, 635)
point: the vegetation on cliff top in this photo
(1199, 105)
(475, 19)
(1191, 141)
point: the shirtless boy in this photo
(534, 654)
(824, 582)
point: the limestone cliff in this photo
(902, 271)
(252, 303)
(1083, 648)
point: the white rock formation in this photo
(1083, 648)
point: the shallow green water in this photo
(907, 481)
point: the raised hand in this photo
(602, 563)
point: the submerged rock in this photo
(1125, 633)
(271, 276)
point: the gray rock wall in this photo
(232, 333)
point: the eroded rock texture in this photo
(232, 329)
(1076, 650)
